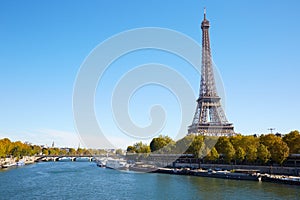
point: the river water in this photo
(84, 180)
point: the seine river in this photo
(84, 180)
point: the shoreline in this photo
(236, 175)
(249, 174)
(14, 162)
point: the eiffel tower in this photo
(209, 118)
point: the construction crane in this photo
(271, 129)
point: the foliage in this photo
(183, 144)
(160, 142)
(293, 141)
(237, 141)
(225, 147)
(268, 140)
(263, 154)
(139, 147)
(5, 147)
(142, 148)
(238, 148)
(19, 149)
(250, 145)
(45, 151)
(197, 146)
(131, 149)
(279, 151)
(213, 155)
(72, 151)
(240, 154)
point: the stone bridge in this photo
(64, 157)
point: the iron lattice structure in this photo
(209, 118)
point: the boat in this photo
(101, 162)
(8, 164)
(20, 163)
(141, 167)
(237, 174)
(119, 164)
(291, 180)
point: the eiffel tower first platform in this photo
(209, 118)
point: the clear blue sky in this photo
(255, 45)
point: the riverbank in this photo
(11, 162)
(278, 170)
(291, 180)
(249, 174)
(236, 174)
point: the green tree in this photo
(213, 155)
(292, 139)
(141, 148)
(182, 145)
(53, 151)
(72, 151)
(158, 143)
(250, 145)
(197, 147)
(251, 153)
(279, 151)
(35, 150)
(62, 152)
(2, 151)
(4, 143)
(131, 149)
(240, 154)
(5, 147)
(20, 149)
(225, 148)
(45, 151)
(16, 150)
(263, 153)
(268, 140)
(237, 141)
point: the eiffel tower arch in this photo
(209, 118)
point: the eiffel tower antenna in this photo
(209, 118)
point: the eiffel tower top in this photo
(205, 22)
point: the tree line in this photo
(237, 149)
(19, 149)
